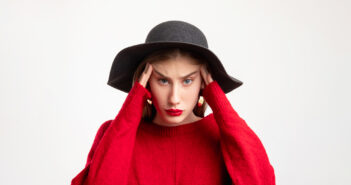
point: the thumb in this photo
(202, 84)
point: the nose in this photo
(174, 98)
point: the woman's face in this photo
(175, 84)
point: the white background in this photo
(293, 57)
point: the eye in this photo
(188, 80)
(162, 81)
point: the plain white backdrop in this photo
(293, 57)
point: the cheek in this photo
(156, 95)
(192, 94)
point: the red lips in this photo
(174, 112)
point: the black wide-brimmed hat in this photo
(169, 34)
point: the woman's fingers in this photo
(145, 76)
(206, 76)
(209, 78)
(203, 75)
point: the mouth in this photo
(174, 112)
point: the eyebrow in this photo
(180, 77)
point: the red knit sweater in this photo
(218, 149)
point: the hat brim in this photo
(128, 59)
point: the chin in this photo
(172, 120)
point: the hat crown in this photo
(177, 31)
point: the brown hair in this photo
(149, 111)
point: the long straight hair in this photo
(149, 111)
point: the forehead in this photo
(177, 62)
(179, 66)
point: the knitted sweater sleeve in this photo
(110, 156)
(244, 154)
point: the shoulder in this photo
(103, 127)
(210, 129)
(210, 118)
(106, 124)
(211, 122)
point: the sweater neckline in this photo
(160, 130)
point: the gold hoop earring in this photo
(200, 101)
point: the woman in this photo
(160, 135)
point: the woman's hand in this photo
(145, 76)
(206, 76)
